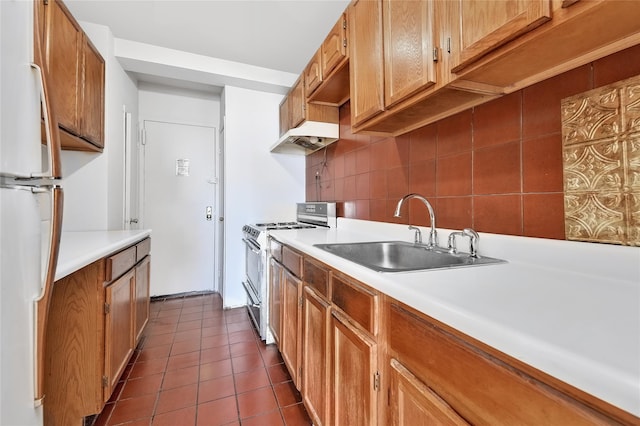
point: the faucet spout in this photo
(433, 237)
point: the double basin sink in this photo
(401, 256)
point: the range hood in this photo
(309, 137)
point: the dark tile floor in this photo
(198, 364)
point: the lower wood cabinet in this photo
(119, 339)
(96, 318)
(411, 402)
(354, 376)
(291, 324)
(359, 357)
(315, 356)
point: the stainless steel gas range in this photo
(308, 216)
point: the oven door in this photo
(253, 305)
(253, 266)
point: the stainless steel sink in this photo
(401, 256)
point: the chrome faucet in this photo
(473, 241)
(433, 236)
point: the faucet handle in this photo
(474, 239)
(418, 236)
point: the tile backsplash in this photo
(496, 168)
(601, 155)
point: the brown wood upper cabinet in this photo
(77, 74)
(487, 25)
(328, 72)
(294, 108)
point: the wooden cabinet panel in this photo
(120, 262)
(413, 403)
(92, 118)
(409, 43)
(354, 378)
(334, 48)
(119, 339)
(315, 357)
(487, 25)
(77, 72)
(316, 276)
(275, 299)
(64, 44)
(290, 346)
(313, 74)
(356, 301)
(284, 116)
(365, 60)
(297, 102)
(479, 387)
(143, 248)
(74, 347)
(141, 299)
(292, 260)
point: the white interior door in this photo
(179, 205)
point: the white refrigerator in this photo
(30, 214)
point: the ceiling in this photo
(279, 35)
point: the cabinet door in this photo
(354, 377)
(297, 103)
(334, 47)
(487, 25)
(275, 299)
(315, 356)
(313, 74)
(413, 403)
(143, 273)
(365, 60)
(409, 44)
(63, 61)
(92, 117)
(291, 330)
(118, 329)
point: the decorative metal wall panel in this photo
(601, 157)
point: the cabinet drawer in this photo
(356, 301)
(276, 250)
(480, 387)
(292, 260)
(316, 276)
(120, 263)
(143, 248)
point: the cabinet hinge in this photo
(46, 2)
(300, 301)
(105, 381)
(435, 54)
(344, 42)
(107, 308)
(376, 381)
(344, 23)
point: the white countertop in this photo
(569, 309)
(79, 249)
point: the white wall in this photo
(258, 185)
(93, 183)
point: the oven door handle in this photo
(253, 246)
(252, 296)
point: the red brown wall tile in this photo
(496, 167)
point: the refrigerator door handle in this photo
(41, 308)
(50, 125)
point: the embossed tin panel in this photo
(601, 159)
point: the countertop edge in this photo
(81, 248)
